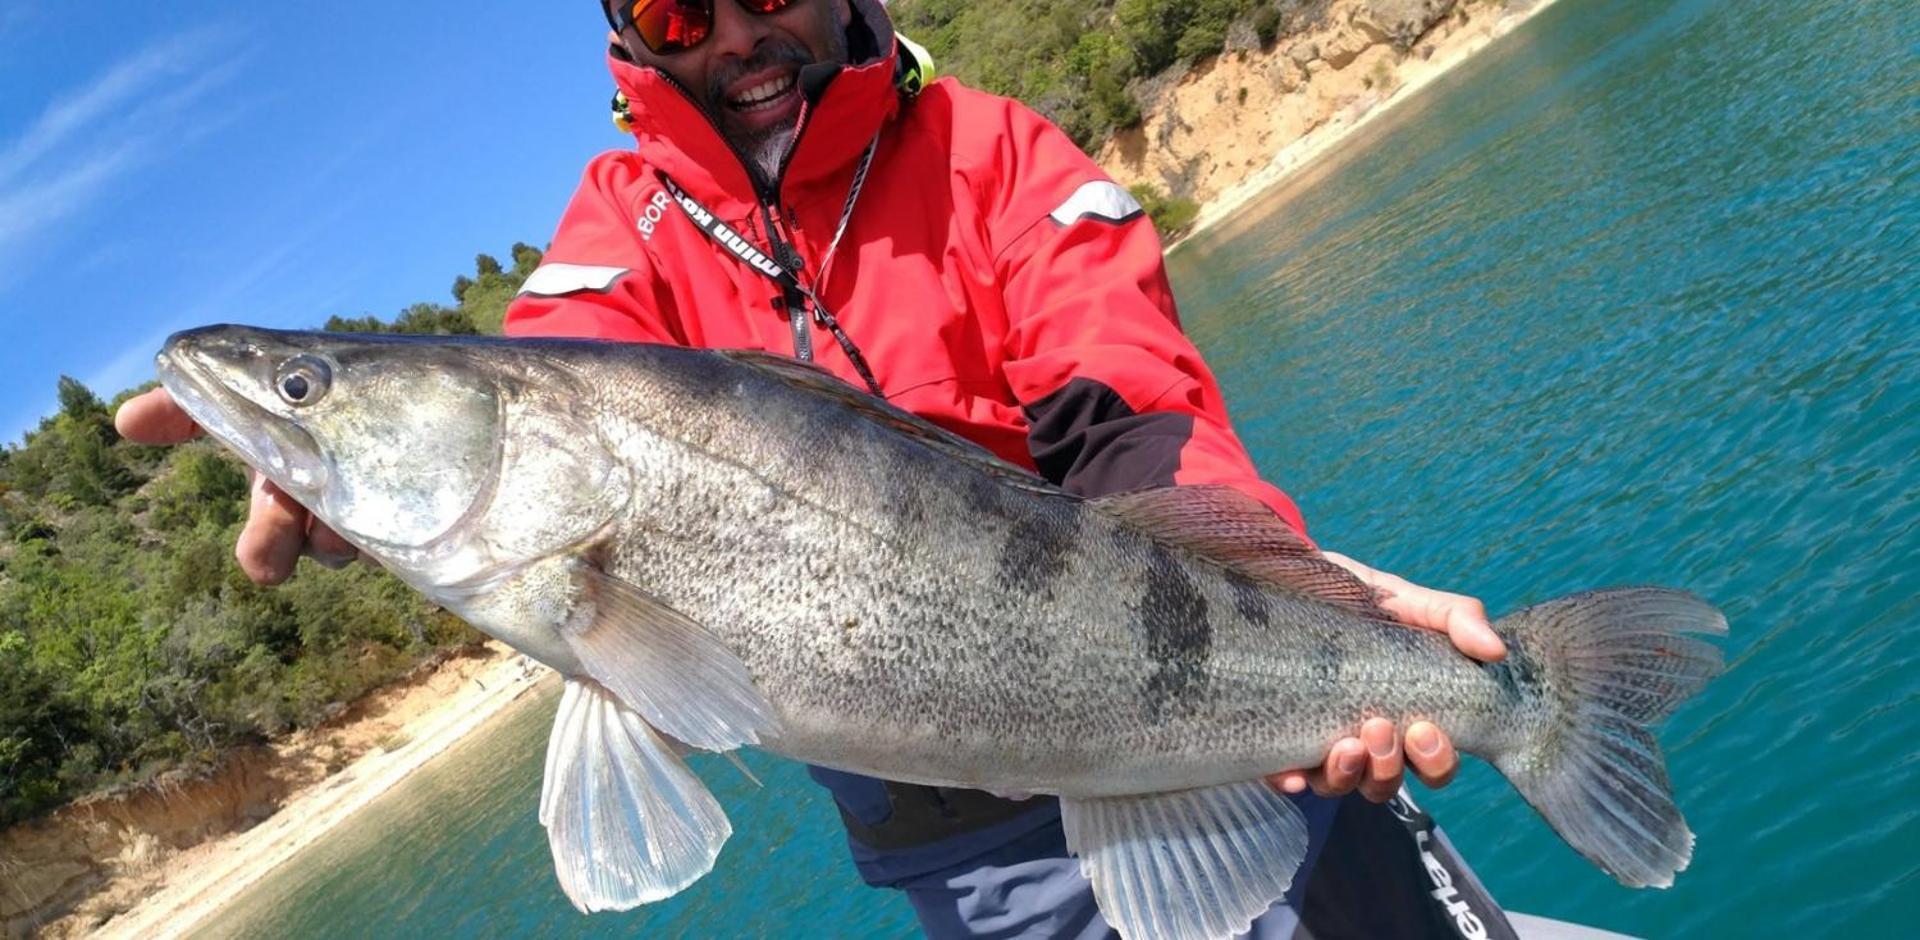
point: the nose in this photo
(735, 32)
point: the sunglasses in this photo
(670, 26)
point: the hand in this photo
(1375, 761)
(278, 530)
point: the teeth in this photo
(762, 94)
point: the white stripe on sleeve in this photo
(555, 279)
(1101, 199)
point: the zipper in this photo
(783, 250)
(797, 318)
(769, 198)
(794, 301)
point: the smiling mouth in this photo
(765, 95)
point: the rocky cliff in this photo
(88, 862)
(48, 867)
(1213, 127)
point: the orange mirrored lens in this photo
(668, 26)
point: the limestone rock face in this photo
(1228, 126)
(49, 866)
(1401, 22)
(1346, 46)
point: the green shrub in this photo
(1071, 62)
(1171, 216)
(1266, 24)
(130, 642)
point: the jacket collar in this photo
(845, 108)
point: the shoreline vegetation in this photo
(253, 771)
(177, 853)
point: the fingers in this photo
(1384, 766)
(153, 417)
(1463, 619)
(1369, 763)
(274, 536)
(1375, 762)
(1345, 764)
(1291, 782)
(1431, 754)
(278, 530)
(327, 547)
(1344, 769)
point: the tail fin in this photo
(1606, 664)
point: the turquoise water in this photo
(1633, 297)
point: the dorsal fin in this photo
(816, 380)
(1243, 535)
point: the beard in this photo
(764, 149)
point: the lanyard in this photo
(781, 271)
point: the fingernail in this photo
(1381, 748)
(1425, 740)
(1350, 762)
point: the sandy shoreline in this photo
(422, 720)
(408, 727)
(1412, 74)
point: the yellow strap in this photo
(919, 65)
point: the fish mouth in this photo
(190, 367)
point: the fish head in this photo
(390, 442)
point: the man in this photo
(796, 189)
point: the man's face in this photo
(746, 73)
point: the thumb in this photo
(153, 417)
(1465, 620)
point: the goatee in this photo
(765, 149)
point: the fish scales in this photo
(731, 549)
(1030, 617)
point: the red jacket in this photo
(997, 282)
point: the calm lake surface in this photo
(1632, 298)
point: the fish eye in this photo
(302, 380)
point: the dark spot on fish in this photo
(1325, 660)
(1518, 676)
(905, 500)
(1173, 620)
(982, 494)
(1249, 601)
(1036, 548)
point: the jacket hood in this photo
(844, 108)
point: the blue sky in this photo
(167, 165)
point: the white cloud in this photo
(26, 210)
(107, 96)
(80, 146)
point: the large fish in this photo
(727, 549)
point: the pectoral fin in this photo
(1191, 865)
(679, 676)
(627, 821)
